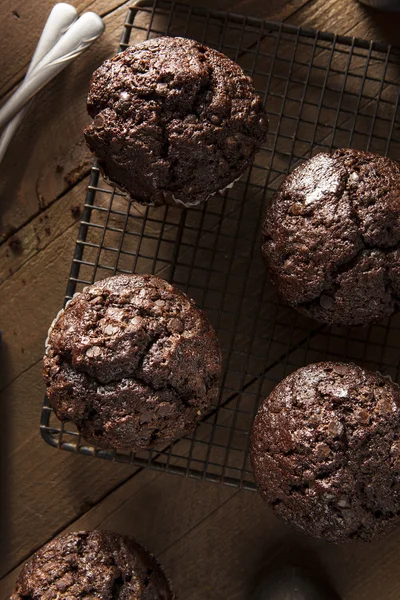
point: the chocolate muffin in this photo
(92, 564)
(173, 121)
(132, 362)
(325, 450)
(331, 238)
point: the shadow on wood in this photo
(13, 168)
(293, 551)
(380, 26)
(4, 473)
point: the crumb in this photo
(76, 211)
(85, 506)
(15, 244)
(76, 174)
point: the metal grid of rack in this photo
(321, 92)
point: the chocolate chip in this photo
(110, 329)
(262, 121)
(165, 409)
(116, 144)
(231, 142)
(341, 369)
(289, 266)
(137, 321)
(395, 449)
(354, 176)
(93, 291)
(297, 209)
(93, 352)
(362, 416)
(322, 450)
(191, 119)
(343, 502)
(175, 325)
(326, 302)
(98, 121)
(215, 120)
(335, 428)
(162, 88)
(145, 417)
(385, 407)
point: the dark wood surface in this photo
(214, 541)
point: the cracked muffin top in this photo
(173, 121)
(331, 238)
(92, 564)
(325, 450)
(132, 362)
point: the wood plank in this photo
(24, 21)
(15, 257)
(31, 469)
(41, 164)
(216, 542)
(47, 154)
(41, 231)
(35, 263)
(349, 18)
(48, 163)
(166, 524)
(238, 548)
(37, 289)
(41, 488)
(250, 541)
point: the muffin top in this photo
(132, 361)
(331, 237)
(325, 450)
(172, 116)
(92, 564)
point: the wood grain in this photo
(41, 164)
(24, 21)
(217, 542)
(46, 488)
(350, 18)
(47, 155)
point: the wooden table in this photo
(214, 541)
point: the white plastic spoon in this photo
(59, 20)
(77, 38)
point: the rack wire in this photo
(321, 91)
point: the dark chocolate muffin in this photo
(92, 564)
(331, 238)
(132, 362)
(174, 121)
(325, 450)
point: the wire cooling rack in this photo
(321, 92)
